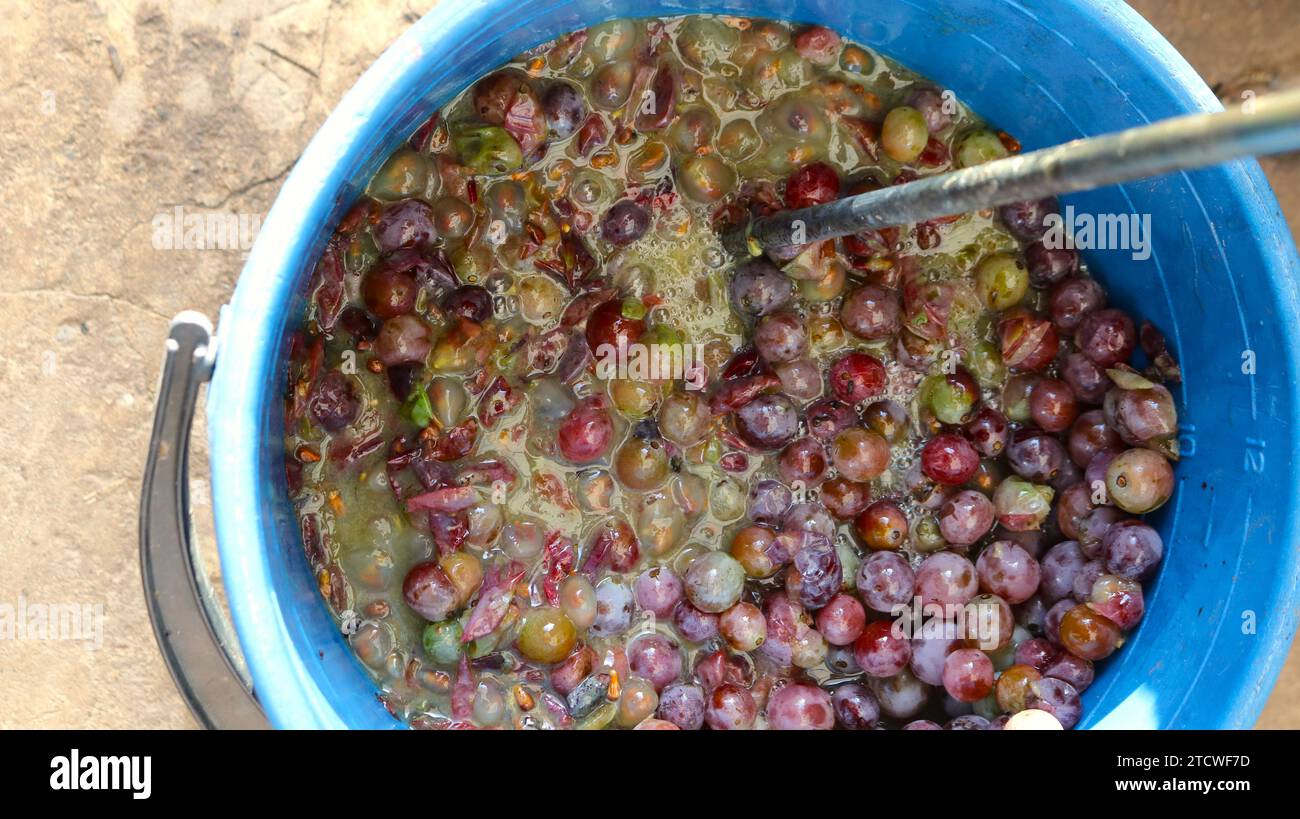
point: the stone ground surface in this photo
(115, 112)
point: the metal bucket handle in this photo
(196, 640)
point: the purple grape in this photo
(1139, 416)
(1056, 697)
(1059, 567)
(839, 659)
(408, 223)
(564, 109)
(800, 378)
(1052, 620)
(886, 418)
(624, 223)
(1031, 541)
(1077, 671)
(1132, 549)
(841, 620)
(855, 707)
(928, 494)
(965, 517)
(809, 517)
(586, 432)
(880, 652)
(1035, 456)
(1096, 470)
(857, 376)
(1036, 653)
(1072, 508)
(1094, 527)
(758, 288)
(1025, 220)
(1047, 266)
(656, 658)
(469, 301)
(743, 626)
(1032, 614)
(786, 620)
(787, 544)
(769, 500)
(333, 402)
(922, 725)
(730, 708)
(1085, 377)
(780, 337)
(885, 580)
(768, 422)
(658, 590)
(1083, 581)
(1068, 475)
(695, 625)
(828, 417)
(1073, 299)
(1007, 570)
(819, 573)
(949, 459)
(683, 706)
(1053, 405)
(990, 623)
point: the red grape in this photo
(1107, 337)
(879, 652)
(949, 459)
(1007, 570)
(946, 578)
(729, 708)
(800, 707)
(871, 312)
(856, 377)
(841, 620)
(1052, 405)
(814, 184)
(885, 580)
(968, 674)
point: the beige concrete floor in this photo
(115, 112)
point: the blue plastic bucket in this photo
(1221, 282)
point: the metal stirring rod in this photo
(1269, 124)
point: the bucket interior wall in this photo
(1219, 283)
